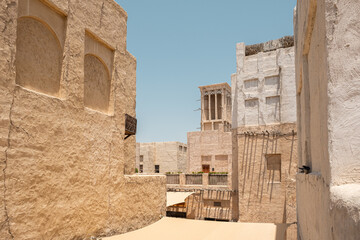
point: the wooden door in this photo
(206, 168)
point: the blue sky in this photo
(182, 44)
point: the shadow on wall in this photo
(211, 204)
(267, 168)
(253, 167)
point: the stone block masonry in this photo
(264, 141)
(67, 82)
(327, 52)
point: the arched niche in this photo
(38, 56)
(96, 84)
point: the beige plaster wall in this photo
(200, 205)
(267, 195)
(62, 163)
(327, 103)
(264, 122)
(203, 148)
(165, 154)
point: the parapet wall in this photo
(67, 82)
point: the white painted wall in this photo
(263, 88)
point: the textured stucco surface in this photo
(264, 122)
(203, 148)
(63, 165)
(263, 88)
(170, 156)
(327, 78)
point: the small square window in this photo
(273, 161)
(157, 168)
(217, 204)
(273, 165)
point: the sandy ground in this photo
(179, 228)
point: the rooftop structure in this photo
(216, 107)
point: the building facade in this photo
(210, 148)
(67, 82)
(161, 157)
(264, 132)
(327, 80)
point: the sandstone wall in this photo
(267, 194)
(326, 78)
(264, 133)
(200, 205)
(63, 159)
(211, 148)
(170, 156)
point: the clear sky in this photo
(182, 44)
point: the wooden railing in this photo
(218, 179)
(172, 179)
(193, 179)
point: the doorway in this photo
(205, 168)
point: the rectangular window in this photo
(251, 85)
(252, 111)
(217, 204)
(205, 158)
(141, 158)
(221, 157)
(272, 114)
(141, 168)
(180, 148)
(212, 106)
(185, 149)
(273, 165)
(157, 168)
(272, 84)
(206, 107)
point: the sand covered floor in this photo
(179, 228)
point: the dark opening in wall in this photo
(157, 168)
(212, 106)
(273, 165)
(219, 105)
(206, 107)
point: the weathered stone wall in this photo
(170, 156)
(200, 205)
(264, 135)
(63, 161)
(327, 102)
(263, 88)
(267, 194)
(203, 148)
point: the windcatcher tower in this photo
(216, 107)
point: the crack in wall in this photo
(11, 125)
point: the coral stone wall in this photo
(211, 148)
(265, 133)
(63, 161)
(170, 156)
(327, 76)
